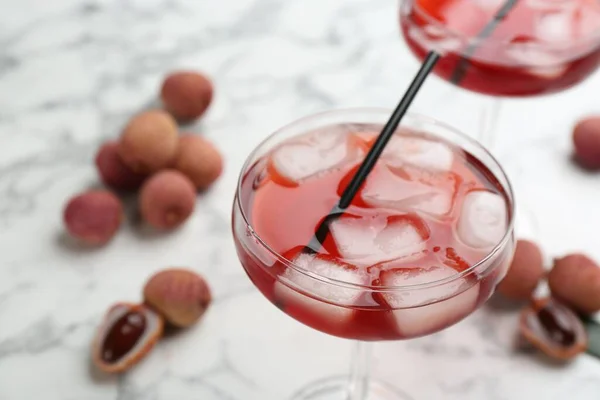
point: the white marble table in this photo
(71, 73)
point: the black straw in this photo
(392, 124)
(486, 32)
(375, 152)
(388, 130)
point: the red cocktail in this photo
(540, 47)
(423, 244)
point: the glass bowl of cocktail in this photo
(506, 48)
(422, 245)
(538, 46)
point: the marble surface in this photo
(72, 72)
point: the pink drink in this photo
(542, 46)
(406, 258)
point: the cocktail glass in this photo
(419, 278)
(540, 47)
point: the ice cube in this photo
(528, 53)
(557, 27)
(436, 203)
(376, 239)
(313, 153)
(538, 60)
(387, 190)
(483, 219)
(426, 310)
(549, 72)
(423, 153)
(320, 306)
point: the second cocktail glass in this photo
(422, 246)
(539, 47)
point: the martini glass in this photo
(536, 47)
(356, 298)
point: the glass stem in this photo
(359, 371)
(490, 114)
(526, 224)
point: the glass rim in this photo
(290, 264)
(469, 40)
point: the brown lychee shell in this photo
(586, 142)
(552, 350)
(181, 296)
(575, 280)
(113, 172)
(525, 272)
(167, 199)
(186, 94)
(199, 160)
(93, 217)
(150, 339)
(149, 142)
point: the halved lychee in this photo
(554, 329)
(127, 333)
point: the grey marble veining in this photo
(72, 72)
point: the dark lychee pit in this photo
(556, 325)
(123, 336)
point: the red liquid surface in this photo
(541, 47)
(285, 215)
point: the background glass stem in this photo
(359, 371)
(488, 123)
